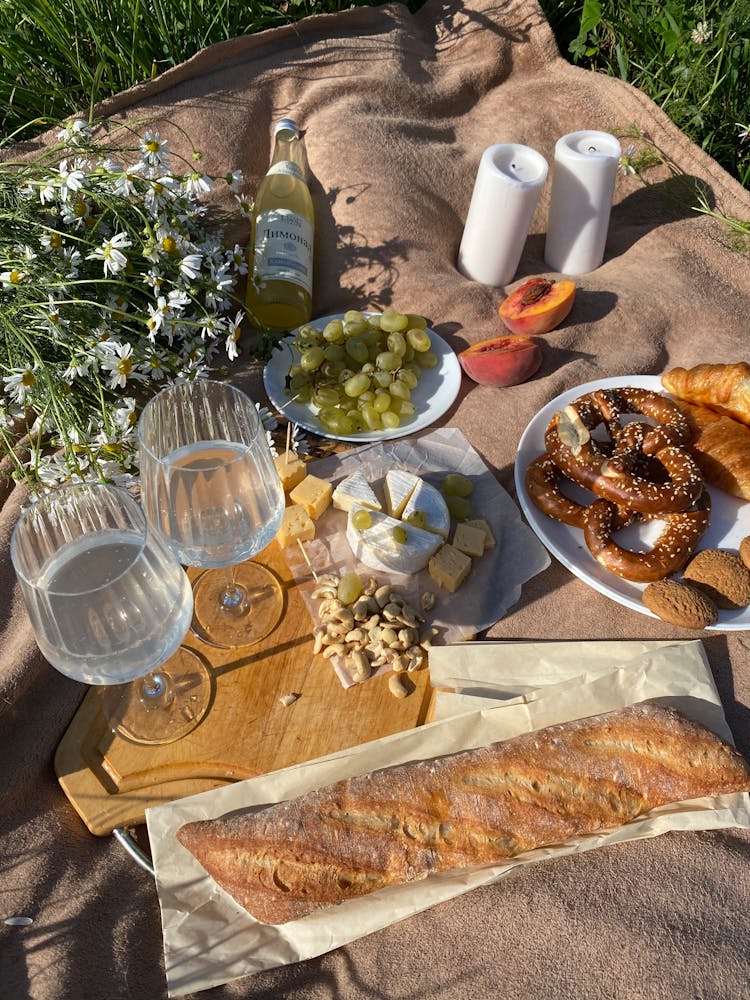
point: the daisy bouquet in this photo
(112, 284)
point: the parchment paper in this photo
(209, 939)
(497, 577)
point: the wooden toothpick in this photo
(288, 442)
(304, 555)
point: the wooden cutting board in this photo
(247, 731)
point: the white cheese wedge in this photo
(399, 486)
(376, 547)
(430, 501)
(355, 490)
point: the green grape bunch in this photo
(359, 372)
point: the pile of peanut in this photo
(370, 625)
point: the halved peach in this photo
(502, 361)
(538, 306)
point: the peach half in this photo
(538, 306)
(502, 361)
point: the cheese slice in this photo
(377, 548)
(399, 486)
(430, 501)
(355, 490)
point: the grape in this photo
(427, 359)
(361, 519)
(408, 377)
(335, 352)
(353, 328)
(390, 419)
(387, 361)
(399, 389)
(418, 339)
(357, 350)
(417, 518)
(400, 535)
(354, 316)
(396, 344)
(392, 321)
(406, 408)
(382, 401)
(416, 322)
(350, 587)
(356, 385)
(326, 395)
(333, 332)
(373, 420)
(311, 359)
(457, 485)
(459, 507)
(382, 379)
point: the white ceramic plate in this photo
(730, 518)
(434, 394)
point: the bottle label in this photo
(287, 167)
(283, 248)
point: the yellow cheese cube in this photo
(469, 540)
(295, 524)
(291, 470)
(489, 538)
(449, 567)
(314, 494)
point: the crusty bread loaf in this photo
(724, 388)
(472, 808)
(721, 448)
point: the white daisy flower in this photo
(235, 179)
(71, 179)
(190, 265)
(19, 384)
(74, 131)
(111, 255)
(155, 149)
(702, 33)
(237, 258)
(9, 279)
(197, 185)
(118, 362)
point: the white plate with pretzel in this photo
(729, 520)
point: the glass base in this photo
(237, 606)
(165, 705)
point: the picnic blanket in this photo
(397, 110)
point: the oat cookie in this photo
(722, 576)
(680, 604)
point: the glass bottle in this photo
(279, 288)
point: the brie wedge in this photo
(377, 547)
(399, 486)
(355, 490)
(430, 501)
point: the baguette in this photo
(471, 808)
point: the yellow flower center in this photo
(158, 188)
(153, 146)
(79, 208)
(125, 366)
(55, 241)
(15, 277)
(111, 449)
(28, 379)
(169, 245)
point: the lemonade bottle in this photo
(279, 288)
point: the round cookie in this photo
(679, 604)
(745, 551)
(722, 576)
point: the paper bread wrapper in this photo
(209, 939)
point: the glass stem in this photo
(233, 595)
(156, 686)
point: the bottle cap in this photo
(286, 125)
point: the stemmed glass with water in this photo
(109, 604)
(211, 490)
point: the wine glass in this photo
(210, 488)
(109, 604)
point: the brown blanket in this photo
(397, 111)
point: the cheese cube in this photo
(314, 494)
(479, 522)
(291, 470)
(449, 567)
(469, 540)
(295, 524)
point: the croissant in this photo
(721, 449)
(724, 388)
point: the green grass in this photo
(58, 57)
